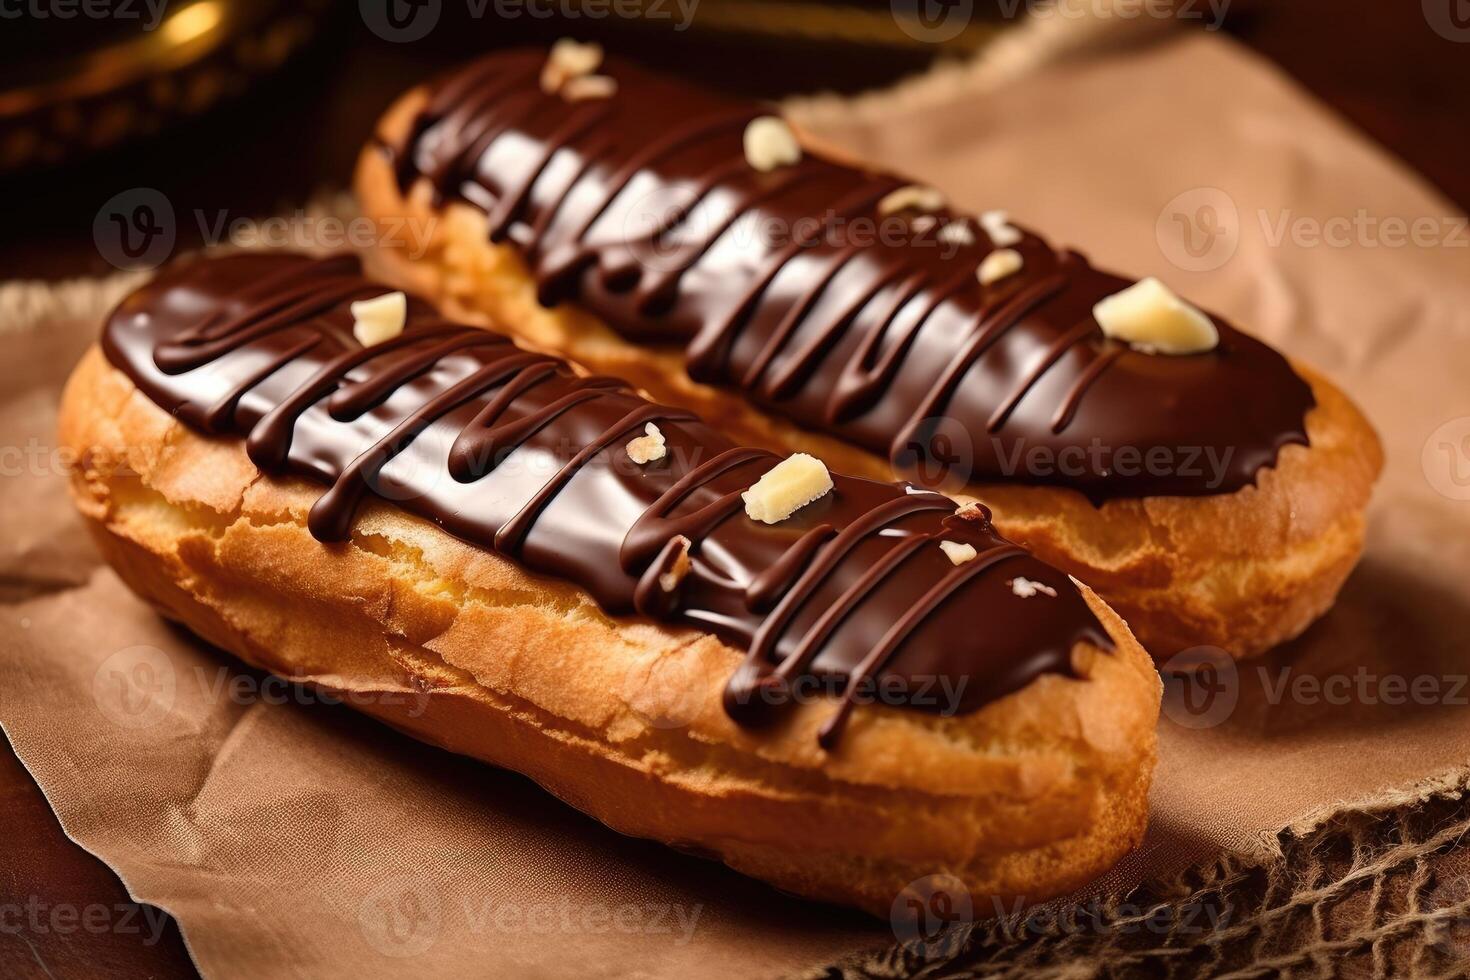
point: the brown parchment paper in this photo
(292, 837)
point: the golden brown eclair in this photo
(1243, 558)
(1031, 793)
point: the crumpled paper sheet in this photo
(295, 838)
(291, 836)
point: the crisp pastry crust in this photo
(1243, 571)
(1030, 796)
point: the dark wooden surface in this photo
(1382, 67)
(63, 913)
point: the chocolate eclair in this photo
(837, 684)
(1211, 490)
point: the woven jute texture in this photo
(1381, 890)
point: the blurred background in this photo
(248, 107)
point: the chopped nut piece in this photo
(569, 59)
(1026, 588)
(669, 580)
(787, 487)
(648, 447)
(972, 510)
(997, 265)
(910, 196)
(958, 553)
(770, 143)
(997, 225)
(380, 318)
(957, 233)
(589, 87)
(1149, 317)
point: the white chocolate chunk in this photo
(787, 487)
(1026, 588)
(957, 233)
(998, 265)
(997, 225)
(585, 87)
(770, 143)
(1148, 316)
(958, 553)
(669, 581)
(647, 447)
(914, 196)
(569, 59)
(380, 318)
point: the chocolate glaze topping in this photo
(516, 453)
(790, 286)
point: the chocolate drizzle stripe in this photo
(1059, 347)
(990, 327)
(559, 267)
(1073, 398)
(658, 289)
(509, 207)
(809, 326)
(516, 453)
(874, 662)
(709, 349)
(753, 673)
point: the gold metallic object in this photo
(75, 86)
